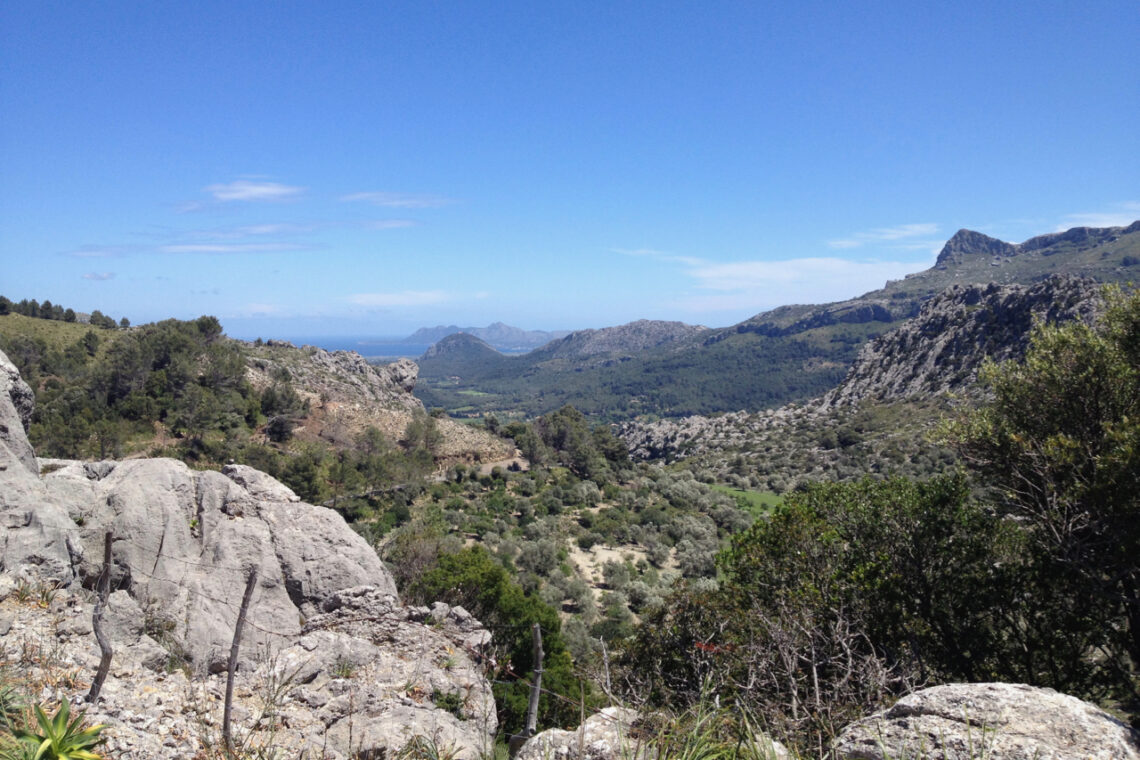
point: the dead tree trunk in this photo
(227, 737)
(103, 588)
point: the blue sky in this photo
(367, 168)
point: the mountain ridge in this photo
(790, 353)
(501, 336)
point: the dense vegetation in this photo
(665, 381)
(850, 593)
(178, 388)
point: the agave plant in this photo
(61, 738)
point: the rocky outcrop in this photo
(359, 681)
(996, 721)
(330, 660)
(943, 348)
(184, 541)
(607, 735)
(343, 376)
(35, 533)
(15, 413)
(967, 243)
(346, 395)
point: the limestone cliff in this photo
(943, 347)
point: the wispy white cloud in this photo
(759, 285)
(885, 235)
(247, 190)
(398, 200)
(99, 276)
(389, 224)
(1120, 215)
(103, 251)
(401, 298)
(229, 248)
(659, 255)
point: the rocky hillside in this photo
(943, 347)
(789, 354)
(631, 338)
(346, 395)
(879, 418)
(346, 666)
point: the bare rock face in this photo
(944, 346)
(37, 539)
(360, 681)
(996, 721)
(402, 373)
(184, 542)
(16, 404)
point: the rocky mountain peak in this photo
(967, 243)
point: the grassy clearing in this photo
(56, 334)
(757, 503)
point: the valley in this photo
(677, 505)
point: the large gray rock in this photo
(37, 539)
(184, 542)
(996, 721)
(606, 735)
(16, 404)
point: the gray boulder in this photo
(606, 735)
(997, 721)
(37, 538)
(16, 404)
(184, 542)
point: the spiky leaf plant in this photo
(61, 737)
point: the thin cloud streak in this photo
(389, 224)
(102, 251)
(244, 190)
(99, 276)
(690, 261)
(398, 200)
(755, 286)
(1125, 214)
(230, 248)
(885, 235)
